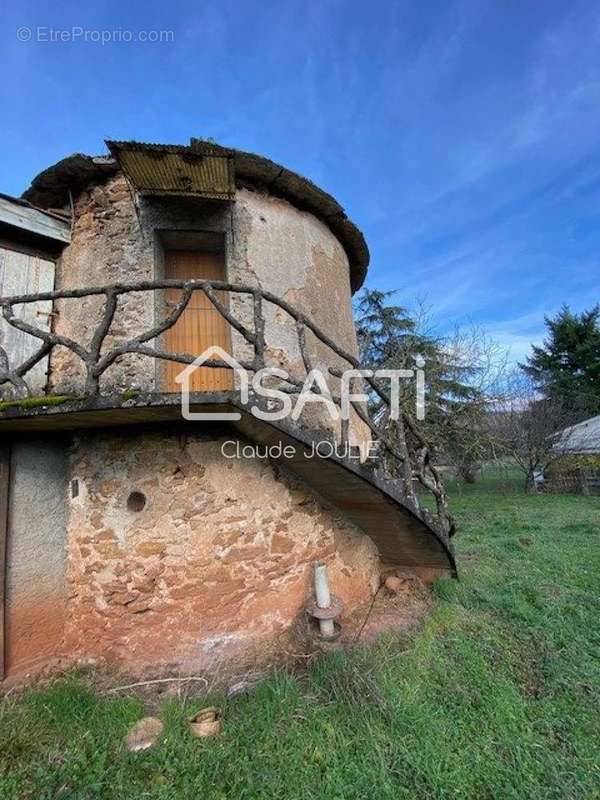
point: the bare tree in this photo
(524, 426)
(461, 436)
(460, 368)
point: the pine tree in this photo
(389, 337)
(385, 332)
(567, 366)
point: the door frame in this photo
(207, 240)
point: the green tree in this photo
(390, 337)
(567, 366)
(386, 333)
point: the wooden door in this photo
(200, 326)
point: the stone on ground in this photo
(143, 734)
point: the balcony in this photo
(58, 375)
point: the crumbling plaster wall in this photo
(269, 243)
(218, 561)
(35, 553)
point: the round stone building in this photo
(155, 542)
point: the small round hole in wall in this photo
(136, 501)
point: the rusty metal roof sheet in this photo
(175, 169)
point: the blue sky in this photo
(462, 137)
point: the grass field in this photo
(497, 696)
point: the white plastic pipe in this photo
(323, 598)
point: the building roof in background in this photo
(581, 438)
(157, 167)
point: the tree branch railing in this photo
(402, 450)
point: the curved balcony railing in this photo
(401, 452)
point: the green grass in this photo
(496, 697)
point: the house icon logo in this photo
(214, 353)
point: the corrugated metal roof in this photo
(581, 438)
(165, 171)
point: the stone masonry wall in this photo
(219, 559)
(268, 243)
(106, 247)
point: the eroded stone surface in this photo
(219, 559)
(269, 244)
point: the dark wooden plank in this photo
(4, 485)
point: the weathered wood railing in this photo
(402, 450)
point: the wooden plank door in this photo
(200, 326)
(21, 273)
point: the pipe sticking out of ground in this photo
(323, 597)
